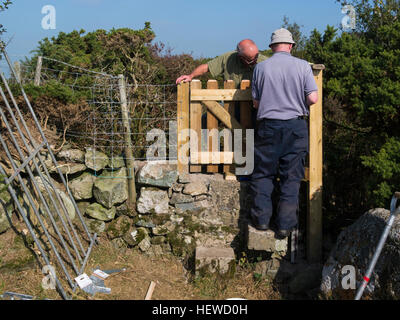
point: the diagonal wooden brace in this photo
(219, 112)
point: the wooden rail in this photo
(202, 154)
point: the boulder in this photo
(72, 155)
(153, 200)
(158, 174)
(67, 168)
(145, 244)
(180, 198)
(211, 260)
(265, 241)
(96, 160)
(111, 188)
(355, 247)
(69, 206)
(97, 211)
(82, 186)
(193, 206)
(195, 188)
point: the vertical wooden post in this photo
(38, 71)
(314, 214)
(17, 68)
(212, 123)
(229, 170)
(183, 124)
(245, 107)
(195, 125)
(128, 144)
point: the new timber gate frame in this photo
(192, 157)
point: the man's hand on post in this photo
(184, 78)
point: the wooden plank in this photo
(218, 111)
(212, 158)
(229, 170)
(195, 125)
(182, 125)
(221, 95)
(150, 291)
(314, 214)
(212, 123)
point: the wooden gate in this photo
(198, 152)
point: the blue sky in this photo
(204, 28)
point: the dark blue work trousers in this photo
(280, 150)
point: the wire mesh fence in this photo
(149, 106)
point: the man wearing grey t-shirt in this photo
(283, 88)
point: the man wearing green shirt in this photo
(234, 65)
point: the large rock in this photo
(6, 209)
(67, 168)
(211, 260)
(195, 188)
(97, 211)
(153, 200)
(111, 188)
(180, 198)
(82, 186)
(355, 247)
(265, 241)
(158, 174)
(52, 194)
(96, 160)
(72, 155)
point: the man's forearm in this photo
(199, 71)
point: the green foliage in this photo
(385, 164)
(361, 107)
(298, 37)
(53, 89)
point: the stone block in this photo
(211, 260)
(265, 241)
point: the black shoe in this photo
(261, 227)
(255, 224)
(282, 234)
